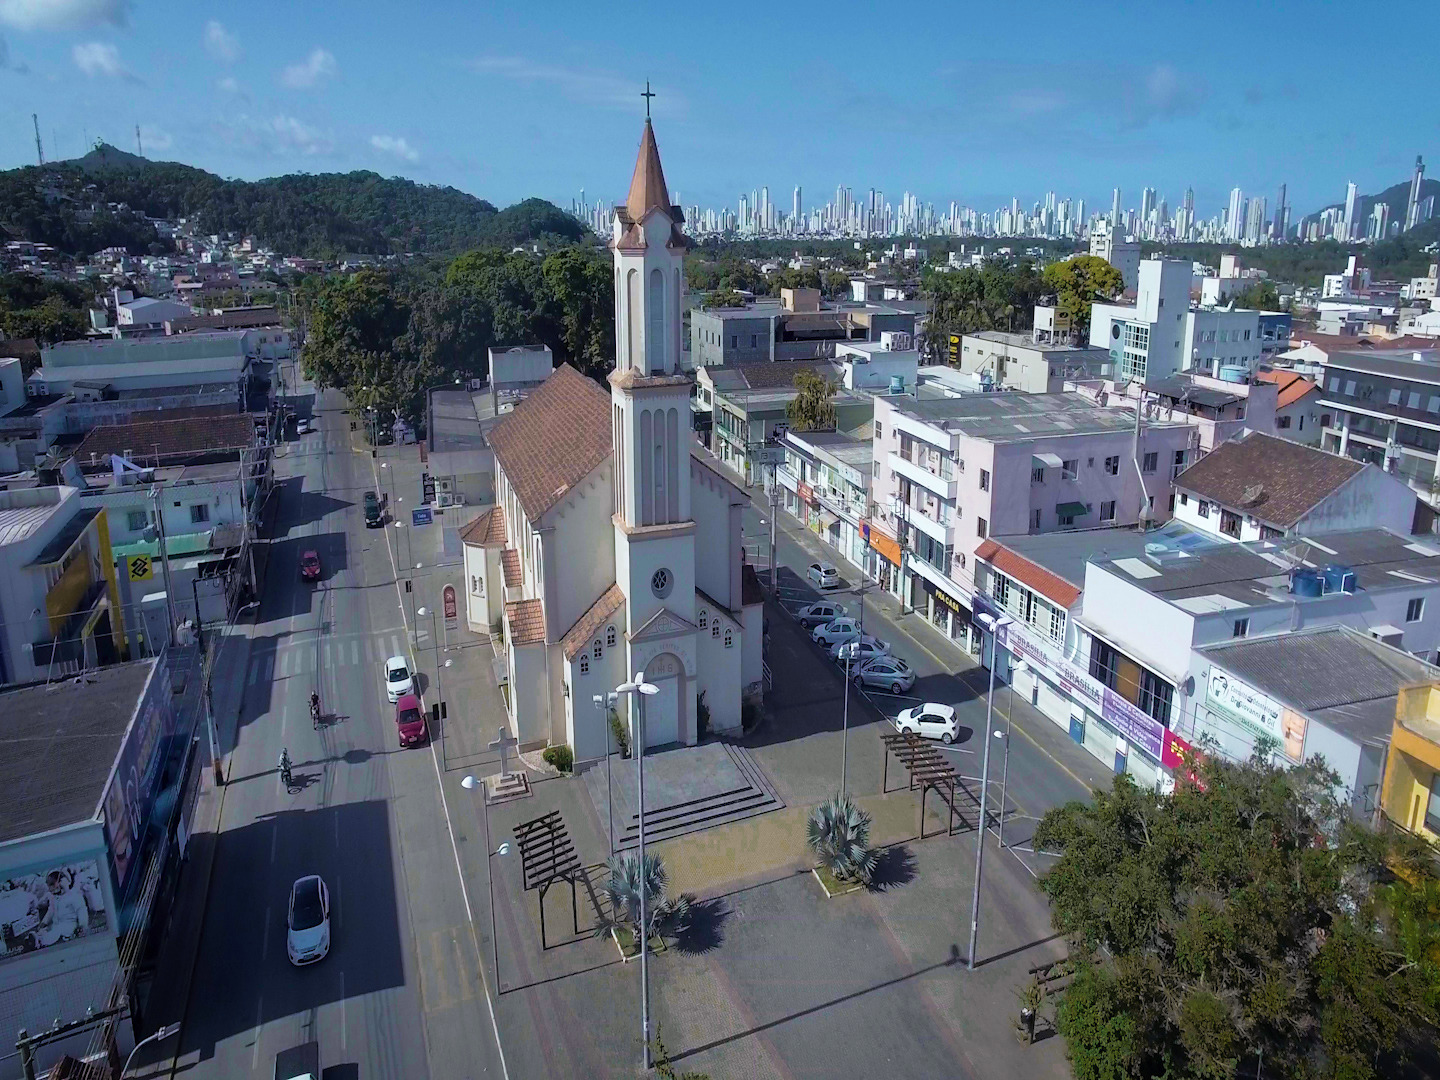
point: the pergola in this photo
(927, 769)
(548, 855)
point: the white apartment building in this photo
(950, 473)
(1107, 241)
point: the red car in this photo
(410, 720)
(310, 565)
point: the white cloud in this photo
(390, 144)
(220, 43)
(281, 136)
(590, 87)
(101, 58)
(63, 14)
(299, 136)
(320, 64)
(229, 85)
(153, 138)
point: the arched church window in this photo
(715, 629)
(584, 665)
(728, 639)
(703, 617)
(597, 648)
(610, 637)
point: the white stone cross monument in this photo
(503, 744)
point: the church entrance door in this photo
(662, 710)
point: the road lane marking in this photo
(274, 836)
(327, 654)
(265, 942)
(270, 668)
(259, 1014)
(342, 1008)
(355, 653)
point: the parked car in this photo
(885, 673)
(374, 516)
(307, 923)
(398, 679)
(819, 613)
(932, 720)
(836, 630)
(302, 426)
(863, 648)
(823, 575)
(410, 720)
(310, 565)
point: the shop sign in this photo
(945, 599)
(1292, 726)
(1256, 711)
(1181, 758)
(807, 494)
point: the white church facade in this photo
(615, 543)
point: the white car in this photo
(302, 427)
(819, 613)
(886, 673)
(823, 575)
(859, 649)
(836, 631)
(398, 679)
(931, 720)
(307, 921)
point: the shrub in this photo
(619, 734)
(839, 833)
(562, 757)
(702, 716)
(664, 914)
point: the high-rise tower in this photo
(1412, 203)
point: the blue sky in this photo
(972, 102)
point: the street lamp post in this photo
(848, 649)
(993, 625)
(901, 509)
(164, 1033)
(642, 689)
(1016, 670)
(469, 784)
(604, 703)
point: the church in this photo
(614, 545)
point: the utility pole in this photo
(140, 150)
(39, 150)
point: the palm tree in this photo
(839, 833)
(664, 914)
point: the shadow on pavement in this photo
(242, 957)
(896, 867)
(705, 930)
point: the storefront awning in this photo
(827, 519)
(1052, 460)
(884, 545)
(1071, 509)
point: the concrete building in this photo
(1299, 416)
(1024, 362)
(1411, 789)
(798, 327)
(951, 472)
(1259, 487)
(1330, 692)
(146, 311)
(825, 485)
(1217, 410)
(195, 359)
(60, 609)
(1108, 242)
(92, 812)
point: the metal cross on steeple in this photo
(647, 95)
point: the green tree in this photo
(1079, 282)
(722, 298)
(1240, 917)
(581, 291)
(1261, 294)
(813, 409)
(838, 832)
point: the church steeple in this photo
(647, 187)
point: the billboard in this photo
(1257, 712)
(130, 794)
(46, 907)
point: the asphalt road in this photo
(399, 995)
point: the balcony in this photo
(946, 488)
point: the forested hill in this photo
(314, 215)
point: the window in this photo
(1433, 405)
(1241, 628)
(1334, 384)
(1184, 499)
(1150, 462)
(1037, 476)
(734, 341)
(1064, 516)
(1302, 421)
(1239, 412)
(136, 520)
(1247, 335)
(754, 341)
(199, 513)
(1172, 502)
(704, 618)
(610, 637)
(584, 665)
(980, 527)
(1432, 809)
(1107, 511)
(878, 431)
(715, 629)
(1394, 397)
(1035, 520)
(1070, 470)
(1350, 388)
(1230, 524)
(1415, 609)
(984, 479)
(1112, 465)
(1282, 422)
(597, 649)
(729, 641)
(1202, 508)
(1413, 401)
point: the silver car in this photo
(819, 613)
(859, 649)
(885, 673)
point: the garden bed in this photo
(629, 950)
(834, 886)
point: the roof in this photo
(647, 185)
(1337, 674)
(58, 744)
(588, 625)
(21, 348)
(1275, 480)
(24, 510)
(553, 439)
(1016, 417)
(1399, 363)
(65, 539)
(1178, 386)
(510, 567)
(1292, 387)
(769, 376)
(227, 320)
(170, 437)
(487, 530)
(527, 621)
(1066, 553)
(1028, 573)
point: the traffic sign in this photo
(140, 567)
(421, 515)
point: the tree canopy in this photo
(1000, 295)
(48, 311)
(1246, 917)
(814, 408)
(1260, 294)
(1079, 282)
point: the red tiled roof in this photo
(1276, 480)
(510, 564)
(487, 530)
(588, 625)
(527, 621)
(554, 439)
(1047, 584)
(1293, 387)
(170, 437)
